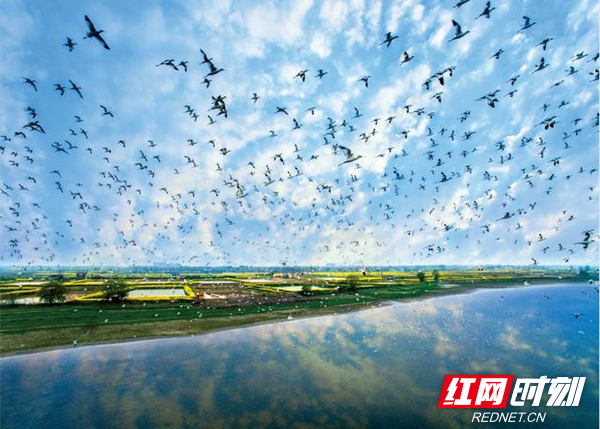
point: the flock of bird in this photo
(417, 163)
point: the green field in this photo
(31, 327)
(28, 327)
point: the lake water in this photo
(382, 367)
(163, 292)
(26, 300)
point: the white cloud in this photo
(321, 45)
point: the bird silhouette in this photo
(92, 33)
(106, 112)
(30, 82)
(406, 58)
(458, 33)
(388, 39)
(487, 11)
(69, 44)
(76, 88)
(302, 75)
(527, 24)
(350, 156)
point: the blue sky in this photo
(388, 207)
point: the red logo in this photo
(475, 391)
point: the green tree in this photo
(306, 289)
(436, 276)
(421, 276)
(115, 290)
(350, 283)
(52, 292)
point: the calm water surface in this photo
(382, 367)
(147, 292)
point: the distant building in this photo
(285, 275)
(81, 275)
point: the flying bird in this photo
(106, 112)
(544, 43)
(527, 24)
(406, 58)
(458, 33)
(350, 156)
(69, 44)
(487, 11)
(94, 34)
(75, 88)
(388, 39)
(541, 65)
(461, 2)
(365, 79)
(59, 87)
(497, 54)
(302, 75)
(30, 82)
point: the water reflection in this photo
(382, 367)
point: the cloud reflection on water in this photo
(380, 367)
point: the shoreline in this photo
(215, 324)
(329, 311)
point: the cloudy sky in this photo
(440, 176)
